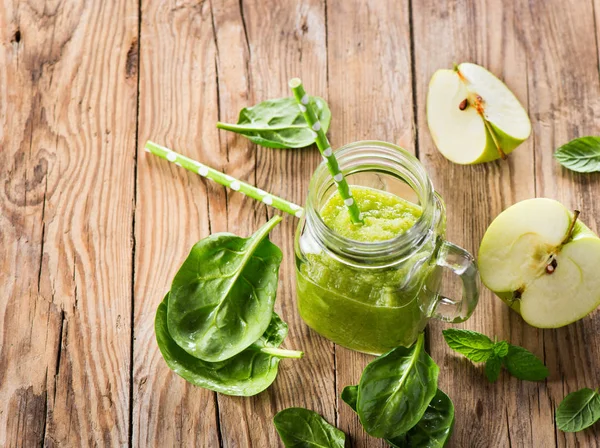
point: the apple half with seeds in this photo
(542, 262)
(472, 116)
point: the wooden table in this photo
(92, 229)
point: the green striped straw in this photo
(323, 144)
(224, 179)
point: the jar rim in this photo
(358, 157)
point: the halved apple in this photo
(542, 262)
(473, 117)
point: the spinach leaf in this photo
(434, 428)
(223, 295)
(350, 396)
(581, 155)
(301, 428)
(432, 431)
(579, 410)
(492, 368)
(279, 123)
(245, 374)
(523, 364)
(475, 346)
(395, 390)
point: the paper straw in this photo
(224, 179)
(323, 144)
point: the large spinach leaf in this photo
(279, 123)
(432, 431)
(247, 373)
(223, 295)
(395, 390)
(302, 428)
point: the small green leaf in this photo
(523, 364)
(350, 396)
(301, 428)
(279, 123)
(501, 349)
(492, 368)
(579, 410)
(475, 346)
(581, 155)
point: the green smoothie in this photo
(364, 308)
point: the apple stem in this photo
(571, 227)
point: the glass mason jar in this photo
(375, 296)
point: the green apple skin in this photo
(574, 300)
(462, 136)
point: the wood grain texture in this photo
(272, 46)
(178, 108)
(486, 33)
(92, 228)
(68, 128)
(564, 96)
(370, 95)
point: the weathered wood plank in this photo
(370, 94)
(178, 108)
(564, 95)
(260, 48)
(488, 33)
(67, 142)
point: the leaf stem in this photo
(282, 353)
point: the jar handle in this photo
(463, 264)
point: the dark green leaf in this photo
(579, 410)
(492, 368)
(279, 123)
(246, 373)
(581, 155)
(301, 428)
(350, 396)
(395, 390)
(501, 349)
(223, 295)
(433, 430)
(523, 364)
(475, 346)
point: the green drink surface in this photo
(368, 309)
(385, 215)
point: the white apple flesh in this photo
(472, 116)
(540, 264)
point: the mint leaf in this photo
(523, 364)
(501, 349)
(578, 410)
(475, 346)
(581, 155)
(492, 368)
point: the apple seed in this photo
(552, 266)
(463, 104)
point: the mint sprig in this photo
(477, 347)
